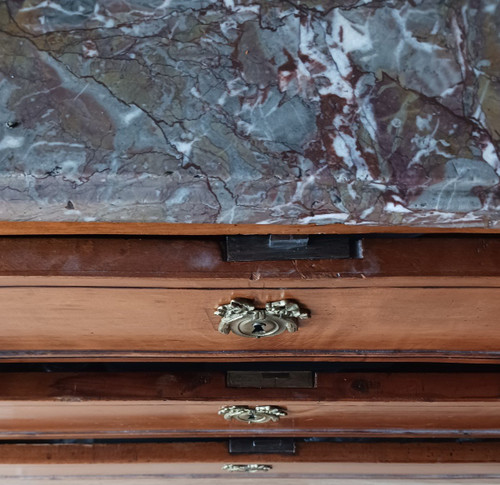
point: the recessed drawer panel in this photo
(43, 322)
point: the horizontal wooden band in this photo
(214, 451)
(438, 356)
(159, 229)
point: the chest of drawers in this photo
(152, 301)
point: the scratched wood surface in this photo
(193, 262)
(179, 404)
(476, 385)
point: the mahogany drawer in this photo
(57, 405)
(154, 299)
(210, 462)
(154, 323)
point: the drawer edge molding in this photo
(450, 356)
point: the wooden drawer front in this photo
(35, 420)
(142, 405)
(180, 463)
(83, 323)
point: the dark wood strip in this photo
(213, 451)
(207, 386)
(178, 258)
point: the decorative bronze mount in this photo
(242, 318)
(250, 468)
(259, 414)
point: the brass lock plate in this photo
(251, 326)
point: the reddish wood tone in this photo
(114, 298)
(217, 451)
(10, 228)
(137, 405)
(209, 385)
(363, 321)
(132, 420)
(318, 463)
(171, 262)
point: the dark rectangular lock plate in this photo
(262, 445)
(271, 380)
(290, 247)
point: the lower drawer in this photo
(175, 404)
(80, 323)
(180, 463)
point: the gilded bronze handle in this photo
(242, 318)
(250, 468)
(258, 414)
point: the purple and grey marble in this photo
(259, 111)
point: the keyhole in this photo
(251, 417)
(258, 328)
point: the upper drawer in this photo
(380, 323)
(154, 298)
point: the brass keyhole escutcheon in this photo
(242, 318)
(249, 415)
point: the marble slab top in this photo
(373, 112)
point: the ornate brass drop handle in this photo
(242, 318)
(258, 414)
(250, 468)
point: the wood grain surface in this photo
(181, 262)
(176, 320)
(138, 228)
(138, 419)
(388, 451)
(409, 386)
(137, 405)
(430, 298)
(315, 463)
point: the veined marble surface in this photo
(265, 111)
